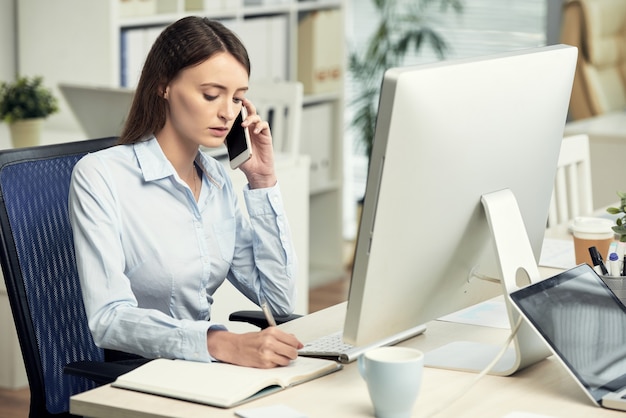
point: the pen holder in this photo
(617, 285)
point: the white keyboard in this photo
(332, 345)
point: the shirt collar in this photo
(155, 165)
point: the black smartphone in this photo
(238, 142)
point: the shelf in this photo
(313, 99)
(331, 186)
(308, 5)
(248, 11)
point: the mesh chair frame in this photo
(37, 258)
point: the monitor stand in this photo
(514, 253)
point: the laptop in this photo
(101, 111)
(584, 325)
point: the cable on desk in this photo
(482, 373)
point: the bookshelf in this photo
(87, 42)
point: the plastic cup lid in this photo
(590, 225)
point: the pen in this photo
(268, 313)
(615, 265)
(612, 249)
(596, 258)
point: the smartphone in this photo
(238, 142)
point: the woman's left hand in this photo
(259, 169)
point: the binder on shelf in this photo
(320, 51)
(204, 5)
(264, 38)
(139, 8)
(133, 8)
(135, 45)
(133, 55)
(318, 122)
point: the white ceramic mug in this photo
(393, 376)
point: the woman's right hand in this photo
(265, 349)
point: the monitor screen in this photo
(448, 133)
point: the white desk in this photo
(544, 388)
(607, 146)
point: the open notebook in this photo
(220, 384)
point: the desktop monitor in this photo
(448, 133)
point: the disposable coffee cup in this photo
(591, 232)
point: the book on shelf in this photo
(220, 384)
(320, 51)
(134, 48)
(318, 121)
(265, 38)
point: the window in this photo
(483, 27)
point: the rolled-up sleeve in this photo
(267, 267)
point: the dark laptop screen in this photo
(584, 322)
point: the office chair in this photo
(38, 263)
(596, 27)
(37, 257)
(280, 104)
(572, 193)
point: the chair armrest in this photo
(257, 318)
(102, 372)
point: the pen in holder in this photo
(598, 262)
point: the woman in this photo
(157, 227)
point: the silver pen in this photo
(268, 313)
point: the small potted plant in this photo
(24, 104)
(620, 223)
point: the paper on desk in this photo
(557, 253)
(272, 411)
(491, 313)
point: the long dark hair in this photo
(186, 42)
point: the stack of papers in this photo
(557, 253)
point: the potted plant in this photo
(620, 222)
(403, 27)
(24, 104)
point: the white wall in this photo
(7, 40)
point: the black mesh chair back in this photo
(37, 257)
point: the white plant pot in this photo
(26, 133)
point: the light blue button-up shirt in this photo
(150, 258)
